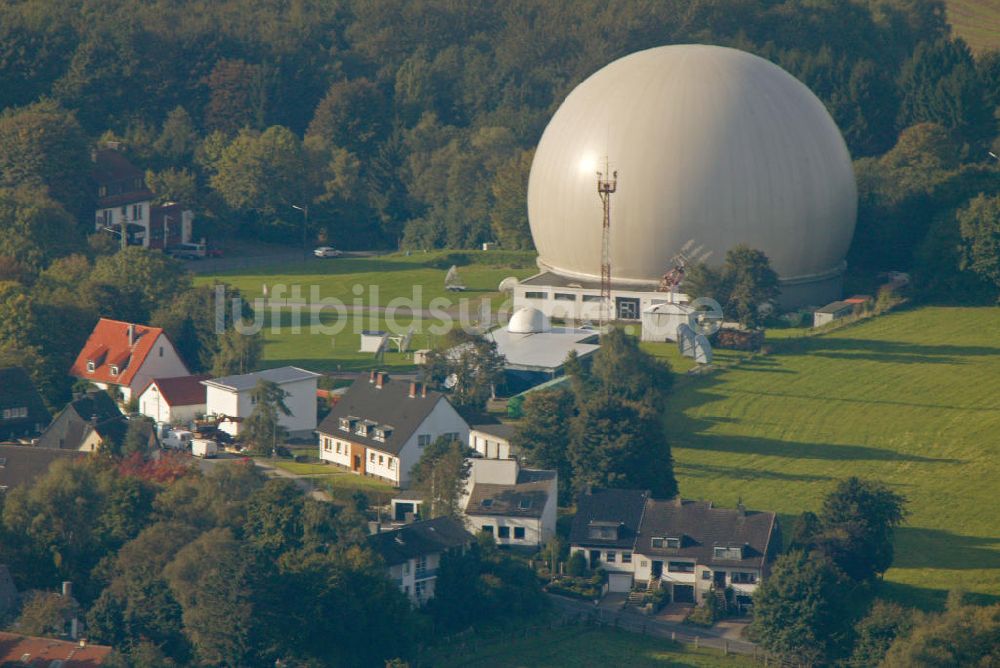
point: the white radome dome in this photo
(714, 147)
(528, 320)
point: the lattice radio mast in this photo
(605, 188)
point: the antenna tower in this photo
(605, 187)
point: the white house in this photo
(127, 356)
(689, 547)
(576, 299)
(381, 426)
(492, 441)
(230, 397)
(660, 321)
(516, 506)
(413, 553)
(174, 400)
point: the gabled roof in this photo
(702, 527)
(109, 345)
(20, 650)
(526, 498)
(123, 181)
(391, 405)
(181, 390)
(248, 381)
(498, 429)
(79, 418)
(18, 391)
(420, 539)
(22, 464)
(622, 508)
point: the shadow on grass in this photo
(892, 352)
(735, 472)
(926, 598)
(918, 547)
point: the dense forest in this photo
(412, 123)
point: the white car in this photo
(326, 251)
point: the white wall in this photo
(225, 402)
(116, 218)
(618, 566)
(443, 419)
(162, 362)
(328, 450)
(533, 534)
(584, 310)
(152, 404)
(301, 402)
(489, 446)
(406, 575)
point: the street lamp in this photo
(305, 224)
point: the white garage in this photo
(619, 582)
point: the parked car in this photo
(178, 439)
(213, 251)
(327, 251)
(188, 251)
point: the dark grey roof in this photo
(21, 464)
(391, 406)
(835, 307)
(72, 426)
(554, 280)
(499, 429)
(702, 527)
(619, 507)
(419, 539)
(248, 381)
(525, 499)
(17, 391)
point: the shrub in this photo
(577, 564)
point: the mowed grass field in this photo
(910, 398)
(977, 22)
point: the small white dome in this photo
(528, 320)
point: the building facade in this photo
(231, 398)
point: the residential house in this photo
(413, 553)
(231, 398)
(8, 591)
(381, 426)
(174, 400)
(694, 548)
(127, 356)
(22, 411)
(516, 506)
(124, 199)
(492, 441)
(605, 530)
(84, 424)
(31, 651)
(22, 464)
(690, 547)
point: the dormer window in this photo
(114, 369)
(604, 531)
(91, 366)
(524, 504)
(728, 553)
(672, 543)
(486, 503)
(382, 433)
(345, 424)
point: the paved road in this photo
(639, 623)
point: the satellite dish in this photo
(508, 284)
(451, 381)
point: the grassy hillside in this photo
(977, 22)
(911, 398)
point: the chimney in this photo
(379, 379)
(67, 589)
(371, 376)
(678, 501)
(740, 508)
(423, 390)
(131, 335)
(413, 388)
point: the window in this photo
(610, 557)
(161, 351)
(673, 543)
(524, 504)
(603, 532)
(735, 553)
(503, 532)
(564, 297)
(626, 557)
(381, 460)
(534, 295)
(592, 298)
(102, 191)
(136, 212)
(488, 528)
(643, 564)
(338, 446)
(114, 370)
(328, 446)
(486, 503)
(345, 424)
(423, 440)
(451, 436)
(706, 574)
(519, 533)
(371, 458)
(422, 563)
(90, 366)
(392, 463)
(742, 577)
(406, 568)
(362, 429)
(420, 588)
(14, 413)
(656, 542)
(680, 567)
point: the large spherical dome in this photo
(528, 320)
(714, 147)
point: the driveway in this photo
(269, 469)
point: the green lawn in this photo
(585, 646)
(305, 469)
(911, 398)
(977, 22)
(377, 280)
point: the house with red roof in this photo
(123, 198)
(21, 650)
(127, 356)
(174, 400)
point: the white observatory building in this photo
(713, 147)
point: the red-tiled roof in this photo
(108, 345)
(18, 650)
(181, 390)
(111, 165)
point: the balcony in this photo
(425, 573)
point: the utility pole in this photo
(605, 188)
(305, 225)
